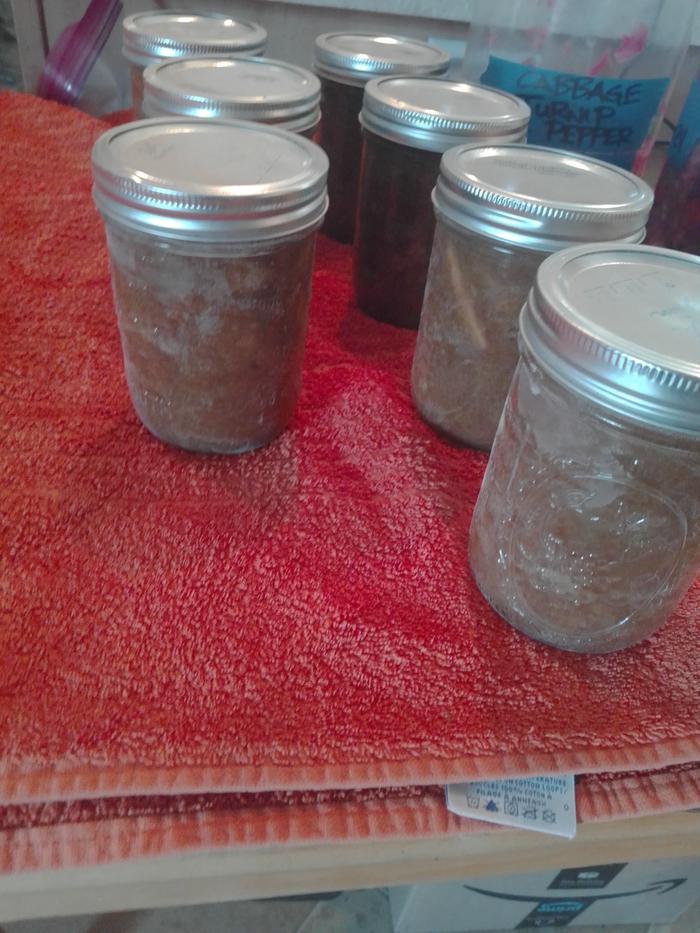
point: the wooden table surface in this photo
(204, 877)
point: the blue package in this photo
(604, 117)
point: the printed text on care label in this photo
(545, 804)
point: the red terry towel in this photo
(302, 617)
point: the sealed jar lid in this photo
(620, 325)
(213, 180)
(257, 89)
(148, 37)
(435, 114)
(541, 198)
(355, 57)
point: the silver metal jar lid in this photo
(435, 114)
(620, 325)
(257, 89)
(355, 57)
(150, 37)
(213, 180)
(540, 198)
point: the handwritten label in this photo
(545, 804)
(687, 134)
(604, 117)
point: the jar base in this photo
(583, 644)
(215, 448)
(446, 435)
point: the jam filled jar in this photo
(586, 533)
(500, 211)
(210, 229)
(345, 62)
(257, 89)
(155, 36)
(408, 123)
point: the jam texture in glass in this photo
(345, 62)
(467, 347)
(341, 138)
(395, 232)
(408, 123)
(213, 344)
(586, 533)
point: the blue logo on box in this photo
(560, 911)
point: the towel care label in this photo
(545, 804)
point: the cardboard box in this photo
(638, 892)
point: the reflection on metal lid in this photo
(257, 89)
(433, 113)
(148, 37)
(216, 179)
(354, 58)
(541, 198)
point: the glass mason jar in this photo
(257, 89)
(210, 228)
(408, 123)
(500, 211)
(345, 62)
(159, 35)
(586, 533)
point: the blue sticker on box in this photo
(608, 118)
(687, 134)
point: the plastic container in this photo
(596, 73)
(500, 211)
(210, 228)
(345, 62)
(586, 533)
(257, 89)
(73, 54)
(408, 123)
(675, 219)
(149, 38)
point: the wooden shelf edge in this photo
(210, 876)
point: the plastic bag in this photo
(596, 74)
(74, 53)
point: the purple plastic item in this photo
(74, 53)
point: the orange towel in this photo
(298, 618)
